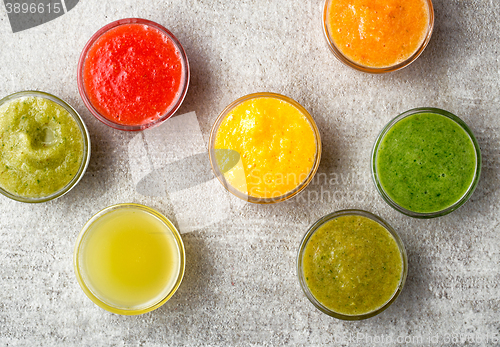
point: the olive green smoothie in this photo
(41, 147)
(352, 265)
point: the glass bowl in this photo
(300, 264)
(110, 244)
(376, 70)
(85, 153)
(181, 92)
(218, 165)
(376, 172)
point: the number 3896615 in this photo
(33, 7)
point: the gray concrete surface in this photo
(240, 287)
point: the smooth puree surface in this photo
(41, 147)
(426, 162)
(377, 33)
(275, 142)
(352, 265)
(133, 74)
(129, 259)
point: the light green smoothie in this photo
(41, 147)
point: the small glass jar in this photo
(111, 241)
(182, 88)
(376, 171)
(300, 264)
(219, 173)
(85, 151)
(376, 70)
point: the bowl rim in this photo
(79, 244)
(170, 111)
(85, 138)
(376, 70)
(220, 175)
(468, 193)
(325, 219)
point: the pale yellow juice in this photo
(129, 259)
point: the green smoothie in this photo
(426, 162)
(41, 147)
(352, 265)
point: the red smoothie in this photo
(134, 75)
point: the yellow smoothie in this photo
(129, 259)
(276, 144)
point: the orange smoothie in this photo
(276, 145)
(377, 33)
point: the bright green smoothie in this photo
(352, 265)
(41, 147)
(426, 162)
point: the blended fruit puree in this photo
(41, 147)
(133, 74)
(426, 162)
(377, 33)
(352, 265)
(276, 144)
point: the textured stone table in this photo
(240, 286)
